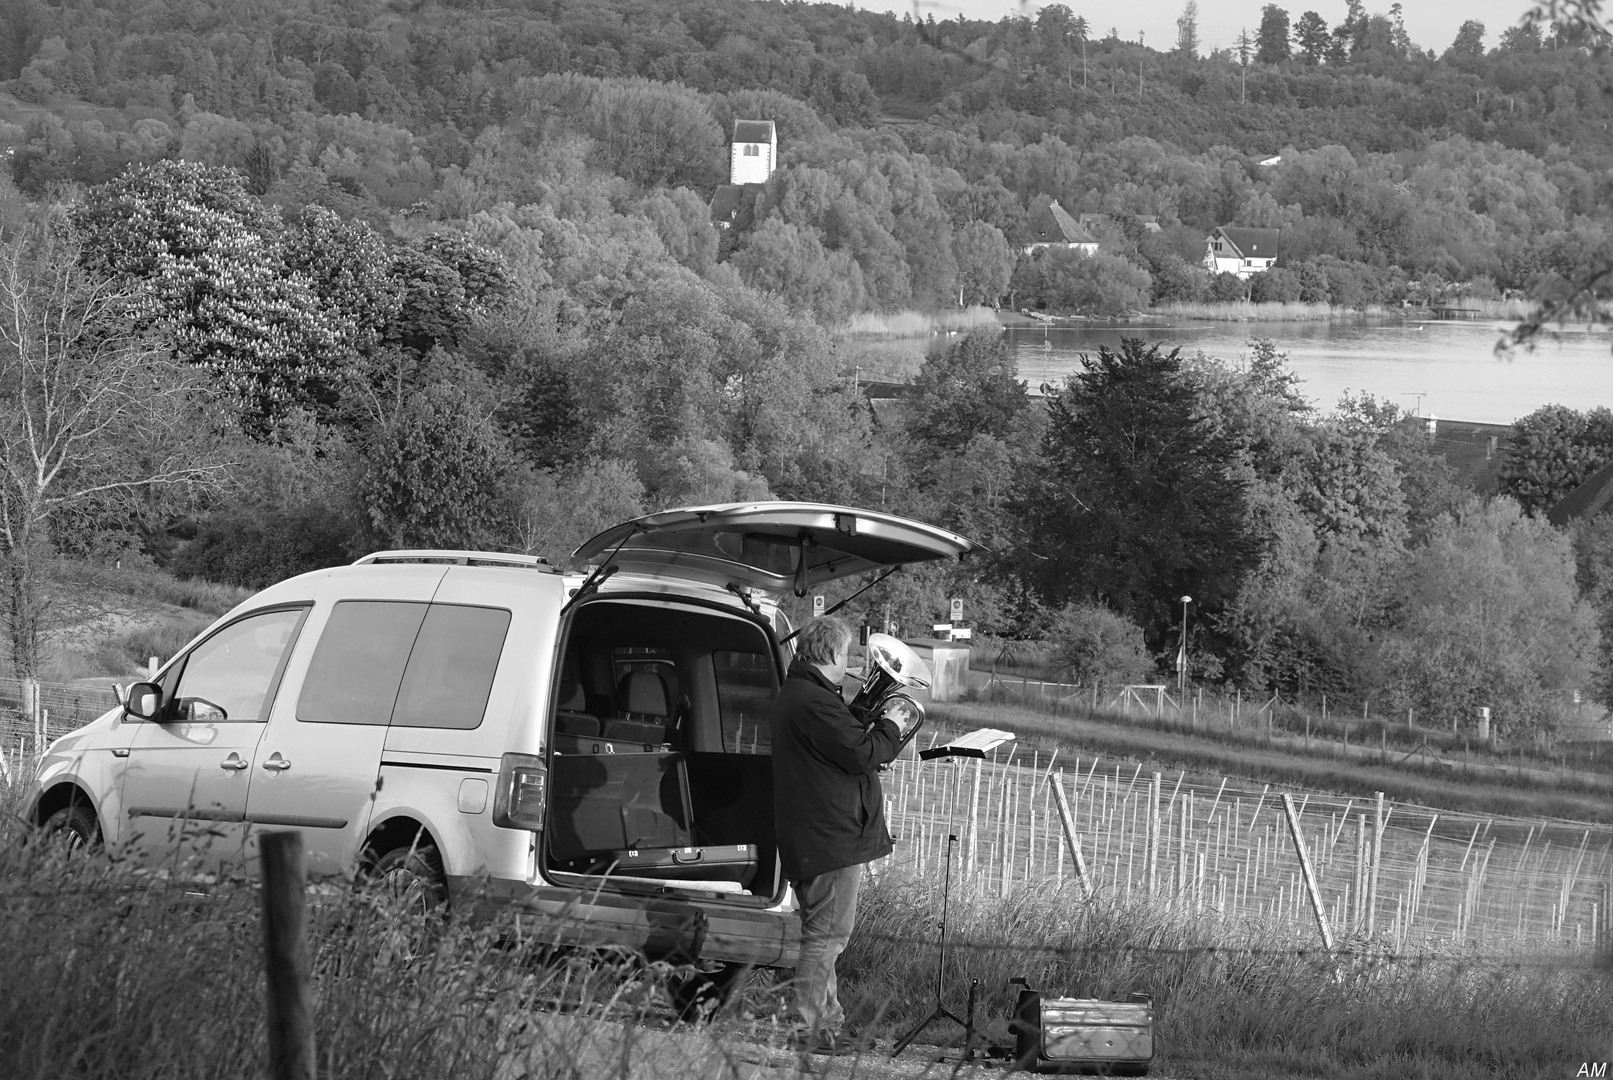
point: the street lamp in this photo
(1181, 654)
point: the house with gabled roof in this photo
(1589, 499)
(1053, 226)
(1245, 252)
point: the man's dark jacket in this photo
(827, 802)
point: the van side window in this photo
(358, 666)
(746, 686)
(227, 678)
(450, 672)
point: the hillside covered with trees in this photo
(369, 275)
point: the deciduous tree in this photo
(1134, 499)
(92, 412)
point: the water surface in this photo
(1446, 369)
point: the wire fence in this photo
(1356, 734)
(1219, 850)
(1422, 878)
(34, 714)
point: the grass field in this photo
(1476, 782)
(108, 972)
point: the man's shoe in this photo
(826, 1044)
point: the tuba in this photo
(893, 666)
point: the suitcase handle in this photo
(692, 856)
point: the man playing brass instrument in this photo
(830, 814)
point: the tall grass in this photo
(111, 971)
(916, 323)
(1232, 999)
(1273, 311)
(146, 583)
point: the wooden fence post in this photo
(1151, 853)
(1377, 857)
(974, 818)
(285, 957)
(1070, 838)
(1310, 875)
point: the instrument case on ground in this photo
(1083, 1035)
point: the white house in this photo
(1245, 252)
(753, 153)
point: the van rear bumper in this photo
(680, 929)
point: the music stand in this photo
(973, 745)
(941, 1012)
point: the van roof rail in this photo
(459, 558)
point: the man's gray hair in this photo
(821, 639)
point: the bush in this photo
(1274, 286)
(1095, 644)
(256, 548)
(1226, 287)
(1096, 284)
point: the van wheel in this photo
(75, 828)
(700, 997)
(410, 878)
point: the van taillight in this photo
(523, 790)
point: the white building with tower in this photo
(753, 152)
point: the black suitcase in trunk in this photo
(716, 862)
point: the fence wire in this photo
(1224, 849)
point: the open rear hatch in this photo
(770, 548)
(660, 746)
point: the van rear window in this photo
(354, 675)
(746, 686)
(404, 663)
(450, 673)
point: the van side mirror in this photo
(144, 701)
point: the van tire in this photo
(76, 825)
(413, 876)
(700, 997)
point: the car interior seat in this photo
(643, 708)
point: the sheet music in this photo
(983, 740)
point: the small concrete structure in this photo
(949, 668)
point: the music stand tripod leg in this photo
(940, 1012)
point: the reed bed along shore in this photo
(1276, 311)
(909, 324)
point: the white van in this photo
(588, 747)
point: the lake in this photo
(1445, 369)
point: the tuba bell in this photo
(892, 667)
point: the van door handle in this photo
(233, 763)
(276, 763)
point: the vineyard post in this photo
(1066, 820)
(1359, 911)
(1181, 853)
(1377, 857)
(1317, 907)
(974, 817)
(1151, 852)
